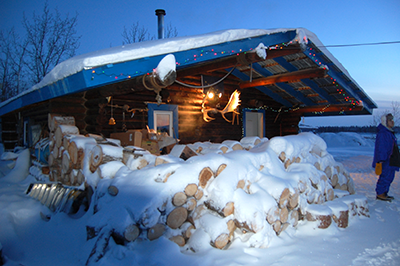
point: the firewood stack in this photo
(74, 156)
(272, 186)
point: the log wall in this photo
(92, 112)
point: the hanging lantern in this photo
(111, 122)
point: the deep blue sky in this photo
(376, 68)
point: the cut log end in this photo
(177, 217)
(131, 233)
(205, 175)
(191, 190)
(179, 199)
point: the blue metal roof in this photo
(100, 76)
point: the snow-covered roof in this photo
(61, 79)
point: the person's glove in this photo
(378, 168)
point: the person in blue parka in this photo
(386, 157)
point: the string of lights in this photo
(213, 52)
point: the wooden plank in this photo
(286, 77)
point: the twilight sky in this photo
(376, 68)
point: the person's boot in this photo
(383, 197)
(389, 197)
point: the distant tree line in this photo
(356, 129)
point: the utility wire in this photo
(362, 44)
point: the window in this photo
(163, 118)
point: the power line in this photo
(362, 44)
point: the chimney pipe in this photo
(160, 13)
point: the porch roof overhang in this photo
(297, 71)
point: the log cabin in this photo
(224, 85)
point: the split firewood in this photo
(358, 205)
(233, 144)
(343, 187)
(224, 211)
(191, 204)
(179, 199)
(80, 177)
(340, 212)
(191, 190)
(55, 152)
(66, 164)
(131, 232)
(231, 227)
(73, 177)
(249, 142)
(293, 200)
(217, 229)
(330, 194)
(342, 220)
(63, 130)
(51, 160)
(228, 209)
(314, 196)
(273, 215)
(76, 154)
(97, 137)
(224, 148)
(316, 150)
(284, 215)
(101, 154)
(322, 214)
(328, 171)
(282, 156)
(205, 175)
(288, 162)
(294, 218)
(155, 231)
(108, 170)
(182, 151)
(167, 175)
(221, 241)
(283, 228)
(220, 169)
(55, 120)
(334, 180)
(187, 233)
(197, 213)
(351, 186)
(241, 184)
(159, 161)
(177, 217)
(179, 240)
(277, 226)
(284, 198)
(199, 194)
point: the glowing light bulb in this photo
(210, 95)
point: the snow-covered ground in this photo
(27, 239)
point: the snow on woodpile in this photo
(250, 190)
